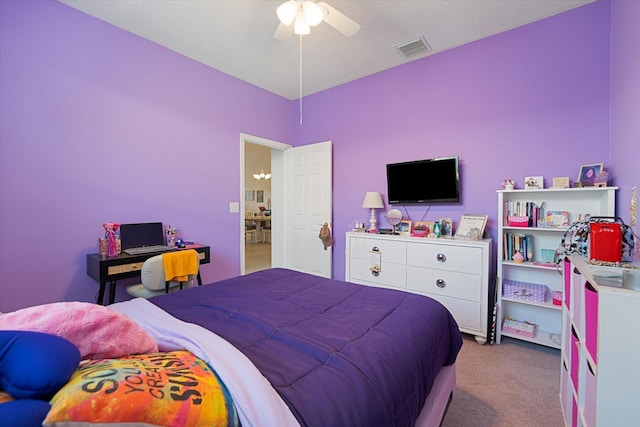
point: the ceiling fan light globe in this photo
(312, 13)
(301, 26)
(287, 12)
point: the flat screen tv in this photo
(424, 181)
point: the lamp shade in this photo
(287, 11)
(372, 199)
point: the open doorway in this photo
(257, 208)
(264, 247)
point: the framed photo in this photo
(422, 228)
(533, 183)
(471, 227)
(260, 196)
(249, 195)
(446, 227)
(587, 175)
(404, 227)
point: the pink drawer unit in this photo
(591, 320)
(589, 410)
(567, 272)
(575, 358)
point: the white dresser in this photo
(453, 272)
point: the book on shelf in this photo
(531, 210)
(518, 242)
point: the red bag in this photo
(605, 241)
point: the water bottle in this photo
(436, 229)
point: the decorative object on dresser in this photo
(471, 227)
(393, 217)
(536, 240)
(599, 374)
(404, 228)
(453, 272)
(372, 200)
(422, 228)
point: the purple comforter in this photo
(338, 353)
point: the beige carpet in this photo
(514, 384)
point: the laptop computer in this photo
(143, 238)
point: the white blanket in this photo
(257, 403)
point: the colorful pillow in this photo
(158, 389)
(99, 332)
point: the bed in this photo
(295, 349)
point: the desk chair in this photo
(153, 275)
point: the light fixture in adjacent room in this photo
(262, 176)
(373, 200)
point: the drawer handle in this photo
(441, 258)
(441, 283)
(375, 249)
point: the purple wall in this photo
(625, 103)
(100, 125)
(88, 110)
(532, 101)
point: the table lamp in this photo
(373, 201)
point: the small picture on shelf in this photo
(561, 182)
(587, 175)
(533, 183)
(404, 227)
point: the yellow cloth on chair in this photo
(179, 265)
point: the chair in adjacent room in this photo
(167, 272)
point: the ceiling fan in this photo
(304, 14)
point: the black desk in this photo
(111, 269)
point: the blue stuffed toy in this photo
(33, 367)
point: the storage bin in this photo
(518, 221)
(525, 290)
(524, 329)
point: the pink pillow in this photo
(98, 332)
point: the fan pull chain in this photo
(300, 99)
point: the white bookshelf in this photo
(578, 202)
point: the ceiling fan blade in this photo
(283, 31)
(339, 20)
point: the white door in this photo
(308, 205)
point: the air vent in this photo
(413, 48)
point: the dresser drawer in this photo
(445, 257)
(389, 250)
(390, 275)
(466, 313)
(445, 283)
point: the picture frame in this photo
(471, 227)
(587, 175)
(446, 227)
(533, 183)
(404, 227)
(561, 182)
(260, 196)
(422, 228)
(249, 195)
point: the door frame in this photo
(277, 197)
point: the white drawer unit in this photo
(453, 272)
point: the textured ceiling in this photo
(236, 36)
